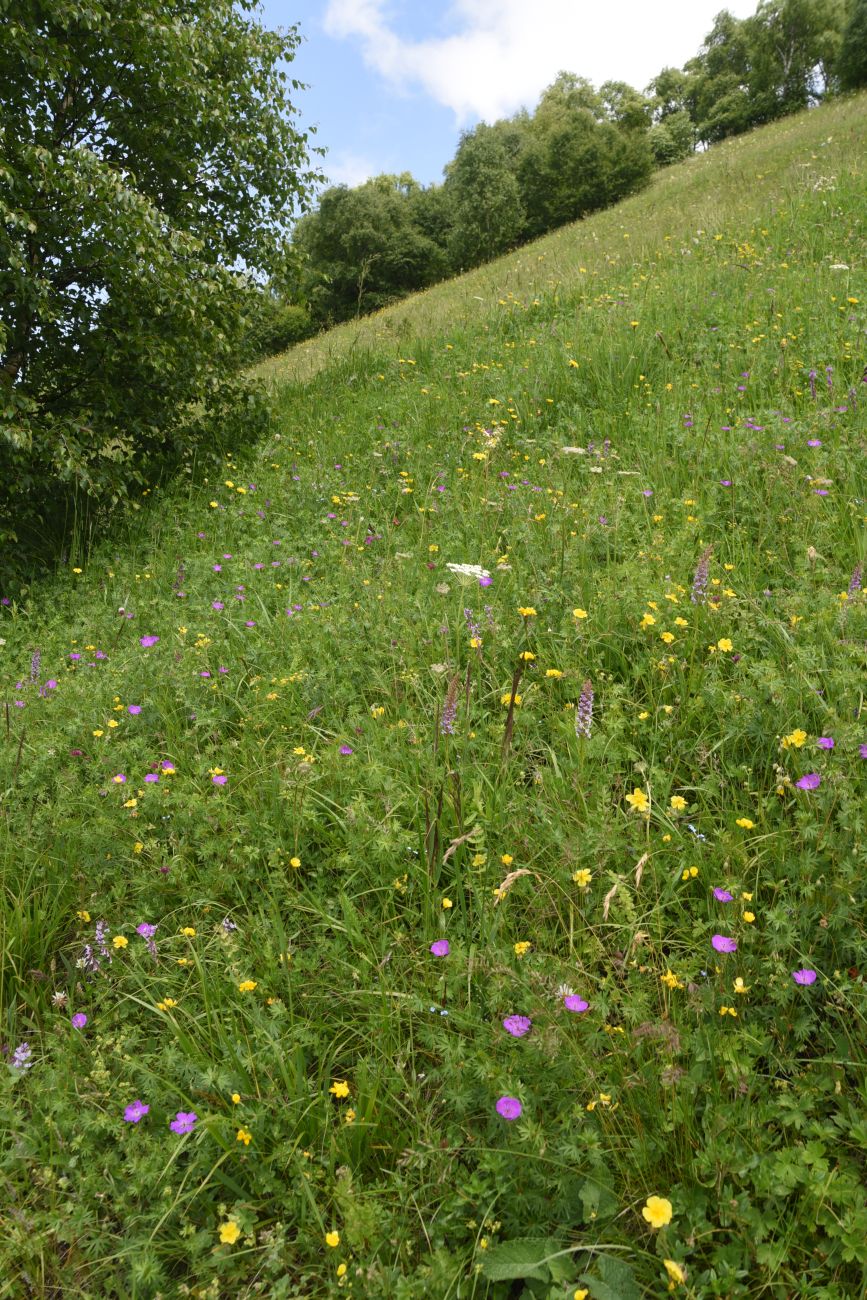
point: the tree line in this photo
(580, 150)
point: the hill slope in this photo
(438, 929)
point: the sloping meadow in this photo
(433, 854)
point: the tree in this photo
(150, 168)
(852, 63)
(485, 200)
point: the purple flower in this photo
(698, 594)
(814, 442)
(135, 1112)
(152, 778)
(647, 492)
(346, 749)
(21, 1057)
(805, 976)
(184, 1121)
(517, 1026)
(572, 1002)
(825, 742)
(440, 948)
(722, 943)
(134, 709)
(145, 930)
(217, 604)
(862, 750)
(485, 580)
(584, 712)
(148, 641)
(79, 1020)
(811, 781)
(219, 779)
(722, 895)
(509, 1107)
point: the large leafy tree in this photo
(852, 64)
(149, 164)
(484, 198)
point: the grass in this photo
(360, 753)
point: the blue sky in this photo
(393, 82)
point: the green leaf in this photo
(521, 1258)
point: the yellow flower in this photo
(582, 877)
(246, 986)
(475, 644)
(506, 859)
(447, 902)
(526, 655)
(553, 672)
(794, 740)
(113, 723)
(229, 1233)
(332, 1239)
(657, 1211)
(638, 800)
(643, 716)
(667, 637)
(120, 941)
(294, 862)
(581, 1294)
(189, 932)
(647, 621)
(243, 1135)
(99, 732)
(526, 611)
(727, 1011)
(678, 803)
(349, 1117)
(479, 859)
(236, 1098)
(749, 917)
(341, 1270)
(689, 872)
(522, 948)
(674, 1271)
(507, 699)
(724, 644)
(746, 823)
(748, 898)
(340, 1088)
(671, 981)
(681, 622)
(138, 847)
(83, 916)
(740, 986)
(579, 613)
(166, 1004)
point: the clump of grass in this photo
(305, 990)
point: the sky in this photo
(392, 83)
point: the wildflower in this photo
(120, 941)
(667, 637)
(79, 1020)
(678, 803)
(746, 823)
(699, 582)
(508, 697)
(825, 742)
(722, 943)
(749, 917)
(440, 948)
(148, 641)
(509, 1107)
(575, 1004)
(522, 948)
(332, 1239)
(83, 916)
(21, 1057)
(339, 1088)
(579, 613)
(722, 895)
(657, 1212)
(188, 931)
(229, 1233)
(450, 708)
(638, 800)
(674, 1271)
(346, 750)
(244, 1135)
(740, 986)
(811, 781)
(166, 1004)
(236, 1098)
(526, 611)
(727, 1011)
(295, 862)
(582, 878)
(527, 656)
(794, 740)
(447, 903)
(135, 1111)
(805, 976)
(506, 859)
(584, 712)
(341, 1270)
(517, 1026)
(553, 672)
(670, 980)
(184, 1122)
(689, 873)
(647, 621)
(724, 644)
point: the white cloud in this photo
(346, 168)
(501, 54)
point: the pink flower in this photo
(805, 976)
(509, 1107)
(573, 1003)
(440, 948)
(517, 1026)
(722, 943)
(79, 1020)
(811, 781)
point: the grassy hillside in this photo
(371, 926)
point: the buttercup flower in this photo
(657, 1212)
(332, 1239)
(229, 1233)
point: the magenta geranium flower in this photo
(184, 1121)
(79, 1020)
(509, 1107)
(148, 641)
(722, 895)
(135, 1112)
(825, 742)
(134, 709)
(346, 749)
(517, 1026)
(805, 976)
(722, 943)
(440, 948)
(219, 779)
(811, 781)
(572, 1002)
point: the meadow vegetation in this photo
(433, 849)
